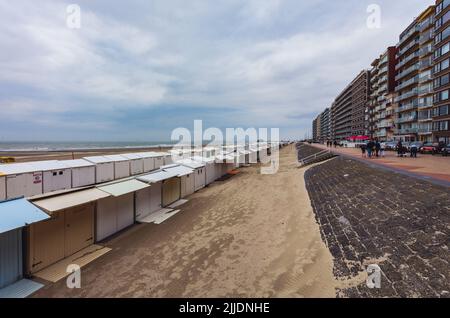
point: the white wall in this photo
(136, 166)
(57, 180)
(83, 176)
(121, 169)
(26, 184)
(149, 164)
(104, 172)
(200, 178)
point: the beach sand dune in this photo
(252, 235)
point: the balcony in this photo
(406, 48)
(409, 70)
(405, 37)
(407, 59)
(425, 104)
(409, 94)
(426, 90)
(406, 131)
(426, 37)
(425, 50)
(381, 98)
(425, 78)
(406, 107)
(413, 80)
(405, 119)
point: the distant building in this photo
(379, 119)
(325, 125)
(348, 110)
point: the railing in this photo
(407, 59)
(413, 80)
(316, 156)
(409, 70)
(409, 94)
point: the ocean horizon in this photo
(78, 145)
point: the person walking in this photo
(383, 149)
(414, 150)
(370, 146)
(399, 149)
(335, 144)
(363, 150)
(377, 148)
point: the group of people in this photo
(373, 149)
(402, 150)
(330, 144)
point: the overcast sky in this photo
(135, 70)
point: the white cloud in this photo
(271, 61)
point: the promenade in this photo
(426, 166)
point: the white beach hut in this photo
(199, 172)
(22, 179)
(55, 175)
(168, 184)
(121, 166)
(83, 172)
(148, 161)
(116, 212)
(136, 163)
(211, 168)
(69, 230)
(186, 175)
(158, 158)
(104, 168)
(15, 215)
(167, 158)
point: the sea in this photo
(67, 146)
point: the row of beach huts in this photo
(50, 210)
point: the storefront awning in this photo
(18, 213)
(122, 188)
(68, 200)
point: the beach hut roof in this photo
(77, 163)
(179, 170)
(132, 156)
(47, 165)
(121, 188)
(191, 163)
(68, 200)
(18, 213)
(116, 158)
(157, 176)
(16, 168)
(97, 159)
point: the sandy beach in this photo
(251, 235)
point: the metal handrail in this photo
(315, 156)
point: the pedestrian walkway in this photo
(426, 166)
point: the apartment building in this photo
(348, 110)
(325, 125)
(414, 80)
(441, 73)
(341, 115)
(315, 134)
(379, 111)
(360, 99)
